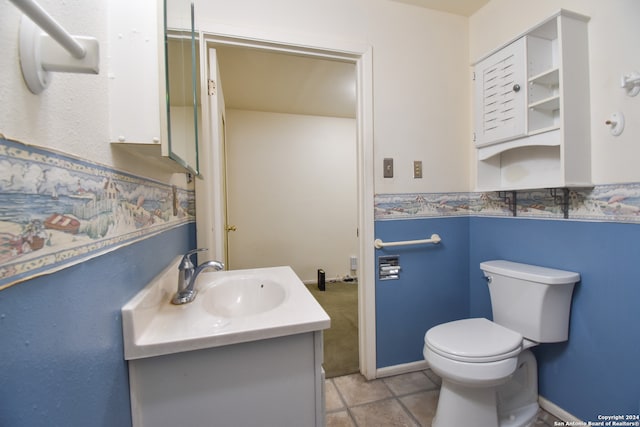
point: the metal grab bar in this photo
(379, 244)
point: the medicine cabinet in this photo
(153, 76)
(531, 127)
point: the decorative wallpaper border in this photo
(57, 210)
(612, 203)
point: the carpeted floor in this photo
(340, 301)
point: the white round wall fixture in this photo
(36, 77)
(616, 123)
(631, 83)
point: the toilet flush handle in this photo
(488, 279)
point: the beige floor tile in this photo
(422, 406)
(385, 413)
(332, 398)
(409, 383)
(390, 402)
(356, 390)
(546, 419)
(435, 378)
(339, 419)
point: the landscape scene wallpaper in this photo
(57, 210)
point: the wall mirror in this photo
(182, 64)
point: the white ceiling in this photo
(258, 80)
(254, 79)
(458, 7)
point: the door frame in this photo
(362, 57)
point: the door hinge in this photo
(211, 87)
(473, 76)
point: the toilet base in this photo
(523, 417)
(465, 406)
(460, 406)
(518, 397)
(511, 404)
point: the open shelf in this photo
(547, 78)
(548, 104)
(544, 130)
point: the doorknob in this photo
(230, 228)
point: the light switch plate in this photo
(387, 166)
(417, 169)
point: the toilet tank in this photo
(534, 301)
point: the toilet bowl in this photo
(473, 370)
(458, 351)
(489, 377)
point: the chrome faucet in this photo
(187, 275)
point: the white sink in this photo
(238, 296)
(231, 307)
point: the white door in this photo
(211, 208)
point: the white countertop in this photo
(152, 326)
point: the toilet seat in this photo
(474, 340)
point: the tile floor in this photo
(403, 400)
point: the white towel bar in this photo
(38, 15)
(435, 239)
(39, 55)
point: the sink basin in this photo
(242, 296)
(232, 307)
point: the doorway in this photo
(291, 165)
(211, 234)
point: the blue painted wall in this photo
(61, 345)
(596, 371)
(433, 287)
(61, 335)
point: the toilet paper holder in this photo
(389, 267)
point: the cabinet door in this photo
(500, 98)
(134, 81)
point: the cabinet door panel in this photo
(500, 86)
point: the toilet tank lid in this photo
(533, 273)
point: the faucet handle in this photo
(186, 262)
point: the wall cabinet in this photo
(138, 86)
(532, 109)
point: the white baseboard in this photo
(403, 368)
(327, 279)
(557, 411)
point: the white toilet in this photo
(489, 378)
